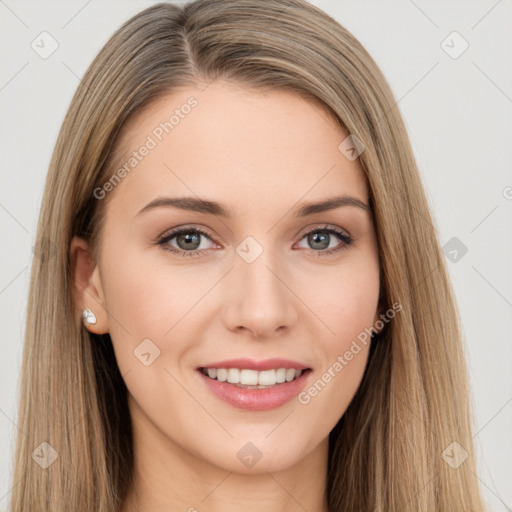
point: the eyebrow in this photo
(221, 210)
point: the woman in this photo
(305, 354)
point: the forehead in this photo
(242, 146)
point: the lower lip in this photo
(256, 399)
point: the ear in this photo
(87, 288)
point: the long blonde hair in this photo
(388, 451)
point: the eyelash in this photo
(346, 239)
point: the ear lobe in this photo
(87, 287)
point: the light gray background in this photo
(458, 113)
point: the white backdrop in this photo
(450, 67)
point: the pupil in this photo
(318, 240)
(189, 238)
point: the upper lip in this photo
(251, 364)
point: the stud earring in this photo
(89, 316)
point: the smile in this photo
(252, 379)
(270, 391)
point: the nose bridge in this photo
(259, 299)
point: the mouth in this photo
(253, 379)
(255, 386)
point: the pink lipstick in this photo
(255, 385)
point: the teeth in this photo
(233, 375)
(267, 378)
(249, 377)
(253, 378)
(222, 374)
(280, 375)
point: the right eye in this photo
(187, 240)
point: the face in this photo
(240, 276)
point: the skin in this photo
(261, 154)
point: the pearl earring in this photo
(89, 316)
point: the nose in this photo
(259, 298)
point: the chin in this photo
(259, 455)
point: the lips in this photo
(249, 364)
(255, 385)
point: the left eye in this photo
(188, 241)
(320, 239)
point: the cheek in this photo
(345, 299)
(352, 312)
(147, 301)
(146, 296)
(349, 303)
